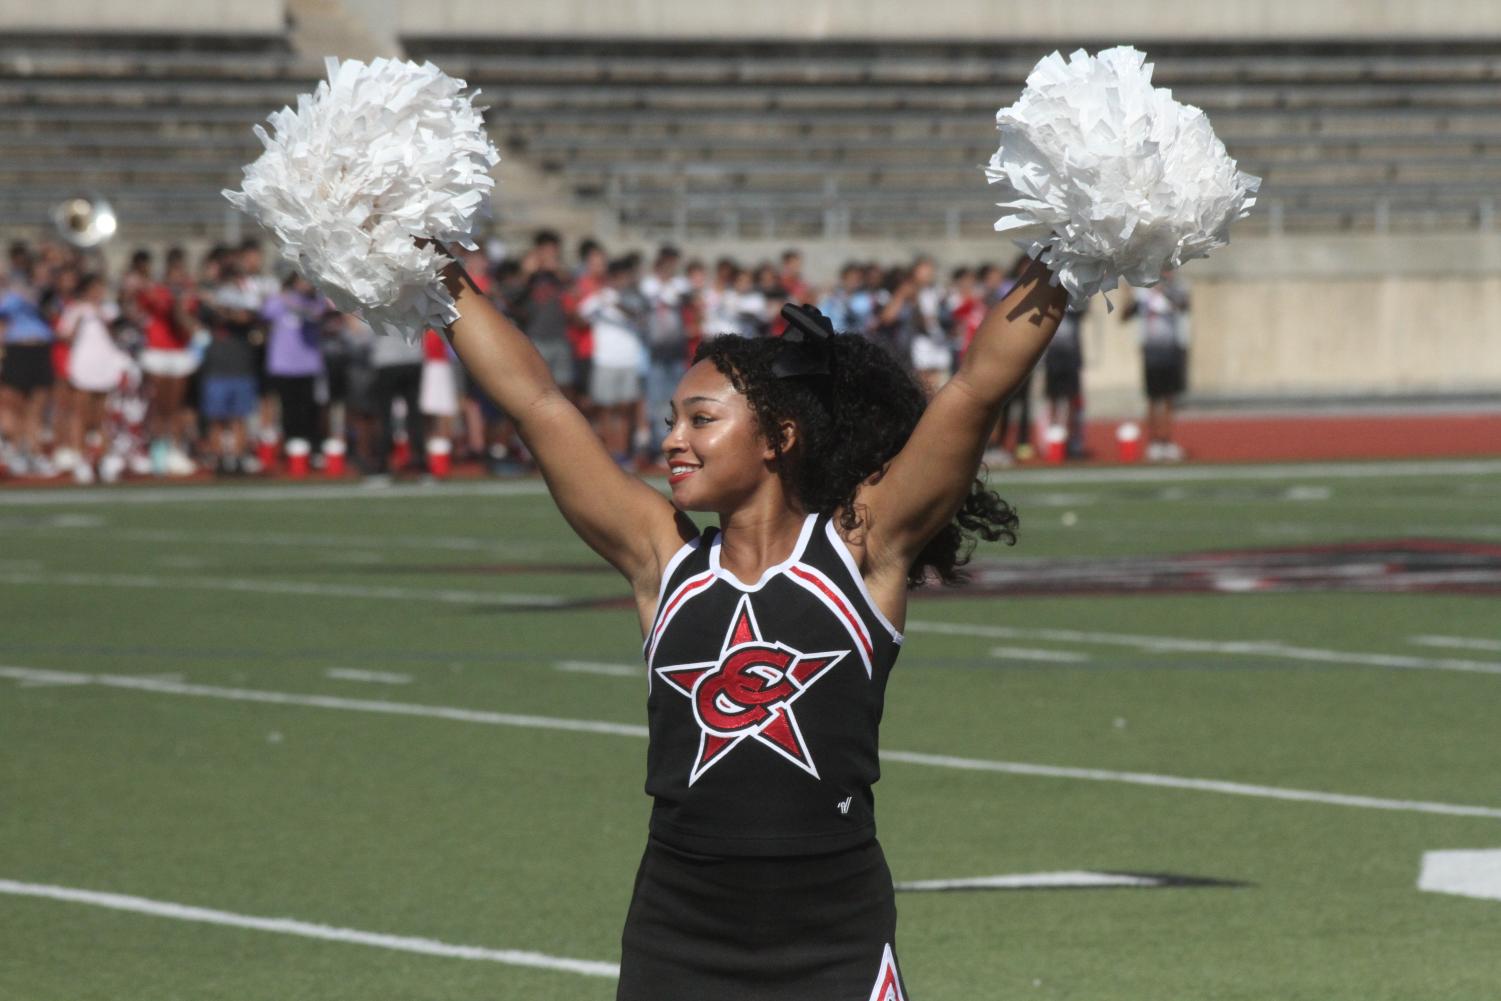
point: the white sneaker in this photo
(83, 472)
(110, 468)
(43, 467)
(1172, 452)
(65, 459)
(250, 465)
(178, 463)
(997, 457)
(139, 464)
(1154, 451)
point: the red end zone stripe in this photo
(839, 602)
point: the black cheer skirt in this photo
(800, 928)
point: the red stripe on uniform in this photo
(839, 603)
(687, 587)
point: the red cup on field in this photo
(297, 458)
(439, 457)
(1128, 442)
(1055, 444)
(401, 451)
(265, 450)
(333, 457)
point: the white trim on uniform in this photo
(690, 588)
(816, 583)
(888, 985)
(769, 572)
(684, 551)
(842, 548)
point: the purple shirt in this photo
(292, 343)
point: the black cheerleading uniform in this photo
(762, 879)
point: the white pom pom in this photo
(374, 157)
(1105, 177)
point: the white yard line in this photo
(1198, 785)
(596, 667)
(334, 702)
(306, 929)
(1028, 653)
(359, 674)
(632, 730)
(217, 494)
(213, 494)
(1458, 643)
(292, 587)
(1031, 881)
(1155, 644)
(1279, 471)
(309, 540)
(1179, 644)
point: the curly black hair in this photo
(851, 423)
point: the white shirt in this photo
(616, 343)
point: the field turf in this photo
(274, 722)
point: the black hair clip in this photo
(805, 348)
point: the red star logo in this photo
(748, 693)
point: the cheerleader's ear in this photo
(787, 433)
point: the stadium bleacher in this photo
(715, 138)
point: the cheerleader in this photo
(769, 638)
(96, 366)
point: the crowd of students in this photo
(174, 366)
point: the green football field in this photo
(347, 744)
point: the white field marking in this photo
(1199, 785)
(535, 487)
(1279, 471)
(52, 679)
(301, 540)
(632, 730)
(1308, 492)
(1027, 653)
(293, 587)
(1057, 499)
(337, 702)
(1178, 644)
(1030, 881)
(595, 667)
(356, 674)
(221, 494)
(309, 540)
(306, 929)
(1462, 873)
(1457, 643)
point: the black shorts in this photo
(799, 928)
(1061, 383)
(27, 367)
(1165, 381)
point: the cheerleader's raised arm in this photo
(365, 184)
(927, 482)
(635, 528)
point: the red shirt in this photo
(433, 346)
(581, 334)
(163, 333)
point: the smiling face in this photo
(716, 456)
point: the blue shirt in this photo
(23, 321)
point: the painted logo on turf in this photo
(747, 694)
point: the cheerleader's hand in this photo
(378, 155)
(1104, 177)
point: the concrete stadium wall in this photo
(967, 19)
(207, 17)
(1290, 317)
